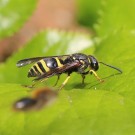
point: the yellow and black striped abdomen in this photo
(45, 65)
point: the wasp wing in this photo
(65, 68)
(27, 61)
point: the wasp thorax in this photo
(79, 56)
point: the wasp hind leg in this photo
(64, 83)
(35, 82)
(28, 86)
(39, 81)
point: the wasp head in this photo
(93, 62)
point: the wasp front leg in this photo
(95, 74)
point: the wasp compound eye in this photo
(94, 63)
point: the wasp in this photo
(46, 67)
(40, 98)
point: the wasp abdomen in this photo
(44, 65)
(38, 69)
(51, 63)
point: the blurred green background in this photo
(103, 28)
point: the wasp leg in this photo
(57, 80)
(28, 86)
(43, 80)
(95, 74)
(37, 82)
(64, 83)
(34, 84)
(83, 77)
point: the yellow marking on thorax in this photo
(89, 60)
(63, 58)
(38, 68)
(82, 61)
(44, 65)
(58, 62)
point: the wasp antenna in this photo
(120, 71)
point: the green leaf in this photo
(94, 111)
(114, 16)
(88, 11)
(13, 14)
(105, 109)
